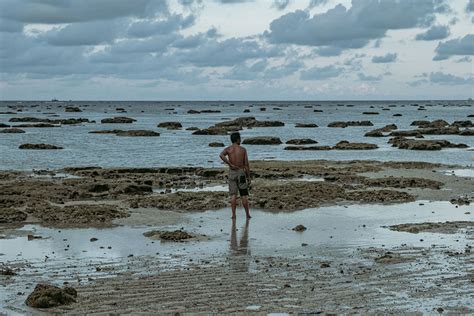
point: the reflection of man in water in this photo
(235, 156)
(239, 252)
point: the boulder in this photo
(39, 146)
(4, 125)
(397, 114)
(374, 133)
(426, 124)
(463, 124)
(370, 113)
(406, 133)
(307, 148)
(350, 123)
(412, 144)
(138, 133)
(38, 125)
(467, 132)
(262, 140)
(192, 128)
(46, 296)
(72, 109)
(170, 125)
(12, 130)
(345, 145)
(305, 125)
(193, 112)
(301, 141)
(118, 120)
(216, 144)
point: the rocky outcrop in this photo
(72, 109)
(412, 144)
(308, 148)
(130, 133)
(69, 121)
(12, 131)
(342, 124)
(37, 125)
(301, 141)
(305, 125)
(216, 144)
(170, 125)
(345, 145)
(39, 146)
(426, 124)
(248, 122)
(262, 140)
(46, 296)
(118, 120)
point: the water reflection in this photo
(239, 258)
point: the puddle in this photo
(461, 172)
(213, 188)
(52, 175)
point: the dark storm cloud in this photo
(70, 11)
(354, 27)
(388, 58)
(436, 32)
(458, 46)
(448, 79)
(280, 4)
(321, 73)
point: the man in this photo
(235, 156)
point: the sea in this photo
(181, 148)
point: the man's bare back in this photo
(237, 157)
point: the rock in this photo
(170, 125)
(406, 133)
(426, 124)
(397, 114)
(210, 111)
(412, 144)
(11, 215)
(301, 141)
(118, 120)
(324, 265)
(215, 131)
(69, 121)
(177, 235)
(461, 201)
(299, 228)
(467, 132)
(72, 109)
(246, 111)
(4, 125)
(192, 128)
(138, 133)
(93, 239)
(462, 124)
(345, 145)
(12, 131)
(374, 133)
(39, 146)
(134, 189)
(46, 296)
(7, 271)
(305, 125)
(216, 144)
(350, 123)
(38, 125)
(307, 148)
(370, 113)
(193, 112)
(262, 140)
(248, 122)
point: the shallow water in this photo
(334, 227)
(178, 148)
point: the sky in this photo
(236, 49)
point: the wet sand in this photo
(347, 261)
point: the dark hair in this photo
(234, 137)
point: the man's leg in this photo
(245, 204)
(233, 203)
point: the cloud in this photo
(328, 51)
(87, 33)
(10, 26)
(364, 77)
(470, 6)
(459, 46)
(321, 73)
(465, 59)
(315, 3)
(70, 11)
(448, 79)
(280, 4)
(244, 72)
(354, 27)
(435, 32)
(228, 52)
(388, 58)
(172, 23)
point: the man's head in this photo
(235, 138)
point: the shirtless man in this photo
(236, 158)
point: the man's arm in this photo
(223, 157)
(247, 166)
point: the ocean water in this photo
(181, 148)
